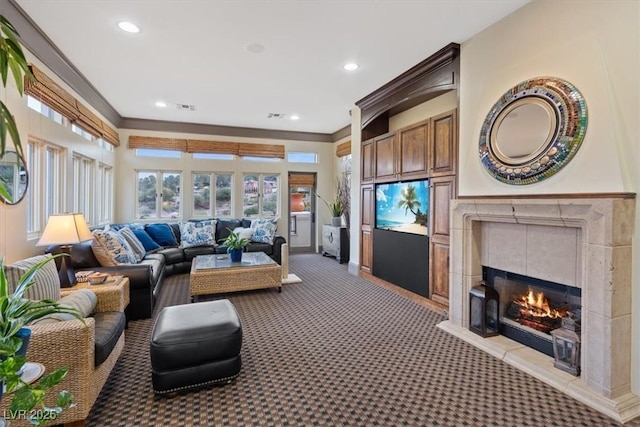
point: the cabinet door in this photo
(442, 190)
(413, 147)
(444, 144)
(439, 272)
(385, 157)
(367, 161)
(368, 216)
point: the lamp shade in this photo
(65, 229)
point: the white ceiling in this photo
(194, 52)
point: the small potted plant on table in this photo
(235, 245)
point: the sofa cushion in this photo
(110, 248)
(191, 253)
(161, 234)
(264, 230)
(198, 233)
(172, 255)
(260, 247)
(135, 243)
(146, 240)
(47, 281)
(109, 326)
(223, 227)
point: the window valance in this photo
(203, 146)
(43, 88)
(301, 180)
(343, 149)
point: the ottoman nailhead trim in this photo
(188, 387)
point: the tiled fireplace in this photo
(582, 243)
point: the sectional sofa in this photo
(165, 255)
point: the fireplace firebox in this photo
(531, 308)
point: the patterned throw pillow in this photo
(244, 232)
(110, 248)
(197, 233)
(47, 282)
(135, 243)
(264, 230)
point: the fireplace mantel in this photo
(583, 242)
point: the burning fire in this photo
(537, 306)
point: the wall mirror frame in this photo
(14, 178)
(533, 130)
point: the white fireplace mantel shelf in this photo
(581, 242)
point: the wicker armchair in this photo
(70, 344)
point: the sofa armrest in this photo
(140, 275)
(278, 241)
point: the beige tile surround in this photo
(580, 242)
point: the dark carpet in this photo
(337, 350)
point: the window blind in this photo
(343, 149)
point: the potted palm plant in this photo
(16, 312)
(235, 245)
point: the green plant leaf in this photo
(4, 193)
(8, 124)
(64, 399)
(53, 378)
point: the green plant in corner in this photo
(15, 313)
(12, 59)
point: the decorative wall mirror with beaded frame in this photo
(533, 130)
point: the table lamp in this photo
(65, 229)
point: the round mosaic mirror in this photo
(533, 130)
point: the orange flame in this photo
(537, 305)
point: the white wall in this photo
(129, 163)
(596, 46)
(14, 242)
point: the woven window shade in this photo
(301, 180)
(174, 144)
(261, 150)
(343, 149)
(43, 88)
(50, 93)
(217, 147)
(88, 121)
(110, 135)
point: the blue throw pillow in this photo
(161, 234)
(146, 240)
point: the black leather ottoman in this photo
(194, 345)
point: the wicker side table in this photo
(113, 295)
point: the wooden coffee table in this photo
(215, 274)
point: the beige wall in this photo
(596, 46)
(129, 163)
(15, 243)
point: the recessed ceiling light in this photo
(128, 27)
(254, 48)
(350, 66)
(294, 117)
(161, 104)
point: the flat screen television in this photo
(403, 206)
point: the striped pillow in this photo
(47, 282)
(135, 243)
(110, 248)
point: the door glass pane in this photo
(270, 195)
(201, 195)
(170, 195)
(223, 195)
(147, 187)
(250, 205)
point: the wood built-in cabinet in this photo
(427, 149)
(368, 215)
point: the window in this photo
(84, 187)
(302, 157)
(260, 195)
(104, 199)
(46, 192)
(260, 159)
(159, 194)
(45, 110)
(213, 156)
(83, 133)
(220, 204)
(150, 152)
